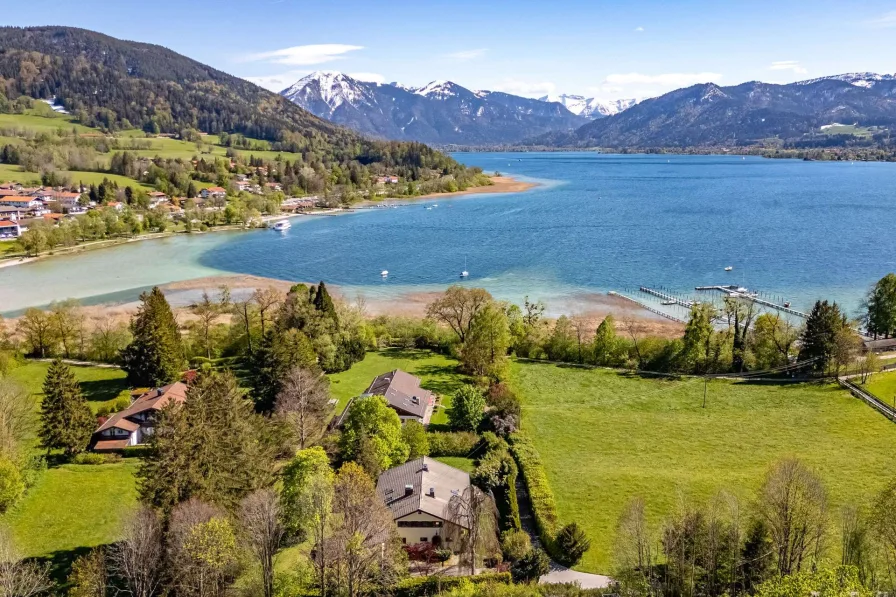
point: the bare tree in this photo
(457, 307)
(472, 525)
(17, 417)
(20, 578)
(37, 328)
(207, 313)
(317, 503)
(265, 299)
(634, 550)
(366, 539)
(107, 340)
(580, 324)
(260, 521)
(740, 313)
(793, 503)
(303, 401)
(631, 327)
(244, 312)
(138, 557)
(67, 320)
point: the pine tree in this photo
(323, 302)
(155, 355)
(66, 422)
(819, 337)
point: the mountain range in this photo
(745, 114)
(440, 112)
(590, 107)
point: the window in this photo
(420, 524)
(424, 539)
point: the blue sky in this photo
(593, 48)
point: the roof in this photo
(111, 444)
(154, 399)
(7, 224)
(422, 474)
(400, 389)
(216, 190)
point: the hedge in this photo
(425, 586)
(544, 508)
(455, 443)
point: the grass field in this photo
(606, 438)
(437, 373)
(100, 384)
(464, 464)
(43, 124)
(883, 385)
(73, 506)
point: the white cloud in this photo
(369, 77)
(467, 54)
(639, 29)
(525, 88)
(674, 80)
(884, 21)
(791, 65)
(304, 55)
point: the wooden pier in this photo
(644, 305)
(736, 292)
(667, 297)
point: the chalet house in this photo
(418, 493)
(273, 186)
(116, 205)
(9, 229)
(387, 179)
(215, 192)
(29, 203)
(156, 198)
(404, 394)
(134, 425)
(12, 213)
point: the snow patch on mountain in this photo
(590, 107)
(866, 80)
(332, 88)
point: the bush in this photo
(571, 544)
(515, 545)
(11, 485)
(121, 403)
(531, 566)
(426, 586)
(467, 409)
(544, 508)
(458, 443)
(95, 458)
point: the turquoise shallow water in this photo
(798, 230)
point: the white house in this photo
(9, 229)
(418, 493)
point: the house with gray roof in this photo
(418, 492)
(404, 394)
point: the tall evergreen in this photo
(155, 355)
(279, 352)
(66, 421)
(323, 302)
(819, 338)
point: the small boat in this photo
(464, 273)
(668, 303)
(787, 305)
(729, 268)
(282, 225)
(384, 273)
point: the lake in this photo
(792, 229)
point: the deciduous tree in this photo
(457, 307)
(472, 525)
(467, 409)
(372, 435)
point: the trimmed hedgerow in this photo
(432, 585)
(544, 508)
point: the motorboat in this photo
(282, 225)
(729, 268)
(384, 273)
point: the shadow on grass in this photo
(441, 379)
(411, 354)
(61, 565)
(101, 390)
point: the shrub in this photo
(416, 438)
(531, 566)
(544, 508)
(95, 458)
(571, 544)
(426, 586)
(467, 409)
(121, 403)
(515, 544)
(11, 485)
(459, 443)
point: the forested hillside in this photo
(115, 85)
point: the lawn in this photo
(43, 124)
(73, 506)
(438, 373)
(464, 464)
(607, 437)
(99, 384)
(883, 385)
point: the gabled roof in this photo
(154, 399)
(422, 474)
(400, 390)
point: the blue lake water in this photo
(798, 230)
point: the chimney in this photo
(408, 490)
(425, 467)
(432, 492)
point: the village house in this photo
(404, 394)
(116, 205)
(133, 425)
(15, 214)
(214, 192)
(418, 493)
(32, 204)
(273, 186)
(9, 229)
(156, 198)
(387, 179)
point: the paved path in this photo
(558, 573)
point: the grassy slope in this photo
(99, 384)
(438, 373)
(606, 437)
(883, 385)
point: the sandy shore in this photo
(502, 184)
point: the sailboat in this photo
(465, 273)
(384, 273)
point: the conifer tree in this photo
(66, 422)
(155, 355)
(323, 302)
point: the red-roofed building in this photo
(213, 192)
(134, 425)
(9, 229)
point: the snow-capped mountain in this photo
(440, 112)
(590, 107)
(866, 80)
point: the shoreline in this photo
(502, 184)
